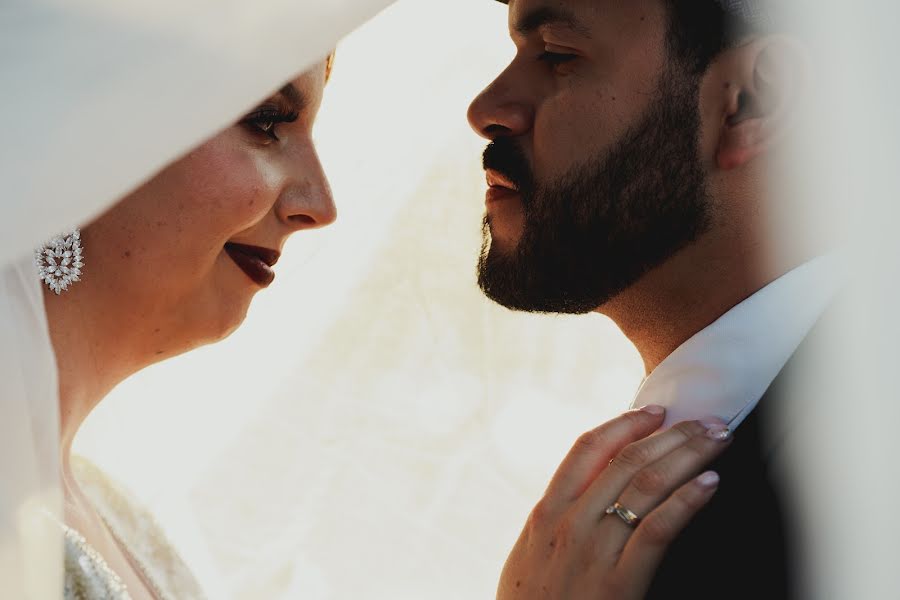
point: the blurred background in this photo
(377, 428)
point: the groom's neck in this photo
(690, 291)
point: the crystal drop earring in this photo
(59, 261)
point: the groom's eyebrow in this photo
(549, 16)
(294, 97)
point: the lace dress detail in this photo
(88, 577)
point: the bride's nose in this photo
(307, 202)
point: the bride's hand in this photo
(571, 549)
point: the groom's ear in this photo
(763, 82)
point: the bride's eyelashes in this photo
(264, 121)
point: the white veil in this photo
(97, 96)
(30, 549)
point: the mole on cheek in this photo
(127, 254)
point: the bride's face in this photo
(183, 256)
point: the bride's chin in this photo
(229, 325)
(211, 314)
(216, 325)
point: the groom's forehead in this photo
(600, 20)
(579, 16)
(754, 12)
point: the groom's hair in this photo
(700, 30)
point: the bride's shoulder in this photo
(137, 531)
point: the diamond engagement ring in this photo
(626, 515)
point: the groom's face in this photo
(594, 169)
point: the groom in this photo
(630, 144)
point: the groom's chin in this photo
(500, 279)
(516, 284)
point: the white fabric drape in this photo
(30, 545)
(97, 95)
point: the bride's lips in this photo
(255, 261)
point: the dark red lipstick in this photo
(255, 261)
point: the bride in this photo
(172, 266)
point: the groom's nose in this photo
(500, 110)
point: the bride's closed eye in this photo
(264, 121)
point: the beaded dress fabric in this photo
(88, 577)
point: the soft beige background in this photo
(376, 429)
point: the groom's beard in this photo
(594, 232)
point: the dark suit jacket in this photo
(740, 545)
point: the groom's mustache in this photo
(504, 156)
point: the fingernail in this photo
(712, 423)
(720, 434)
(710, 479)
(653, 409)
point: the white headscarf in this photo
(97, 96)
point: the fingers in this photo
(649, 542)
(653, 483)
(593, 451)
(609, 484)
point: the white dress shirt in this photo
(725, 369)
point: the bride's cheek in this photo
(244, 192)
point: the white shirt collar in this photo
(725, 369)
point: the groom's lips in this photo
(255, 261)
(500, 187)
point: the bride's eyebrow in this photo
(294, 97)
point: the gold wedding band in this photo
(626, 515)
